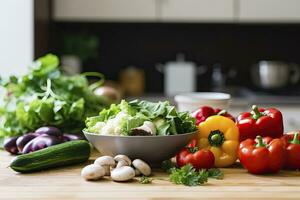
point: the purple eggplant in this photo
(50, 130)
(40, 142)
(10, 145)
(71, 137)
(24, 139)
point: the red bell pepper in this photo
(199, 159)
(292, 147)
(260, 121)
(204, 112)
(265, 155)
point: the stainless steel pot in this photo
(274, 74)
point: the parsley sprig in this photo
(189, 176)
(145, 180)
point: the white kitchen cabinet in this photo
(196, 10)
(269, 11)
(104, 10)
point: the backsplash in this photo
(234, 46)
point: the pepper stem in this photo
(216, 138)
(193, 149)
(260, 142)
(222, 112)
(255, 112)
(295, 139)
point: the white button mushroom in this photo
(122, 160)
(124, 173)
(150, 125)
(106, 162)
(142, 166)
(148, 128)
(92, 172)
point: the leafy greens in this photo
(46, 97)
(128, 115)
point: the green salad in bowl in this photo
(141, 118)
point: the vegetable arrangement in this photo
(46, 97)
(141, 118)
(255, 138)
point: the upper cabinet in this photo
(144, 10)
(231, 11)
(269, 11)
(104, 10)
(196, 10)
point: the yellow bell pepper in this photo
(221, 136)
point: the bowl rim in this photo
(140, 136)
(195, 97)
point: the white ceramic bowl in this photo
(153, 149)
(192, 101)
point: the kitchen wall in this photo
(234, 33)
(16, 41)
(144, 45)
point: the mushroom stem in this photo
(121, 163)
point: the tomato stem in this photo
(295, 139)
(260, 142)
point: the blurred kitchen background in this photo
(154, 49)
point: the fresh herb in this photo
(145, 180)
(215, 173)
(187, 175)
(168, 165)
(45, 96)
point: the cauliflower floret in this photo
(98, 127)
(118, 131)
(113, 126)
(108, 129)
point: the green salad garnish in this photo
(127, 118)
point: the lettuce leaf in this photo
(165, 117)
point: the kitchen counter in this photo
(66, 183)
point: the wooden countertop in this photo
(66, 183)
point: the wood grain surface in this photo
(66, 183)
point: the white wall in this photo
(16, 36)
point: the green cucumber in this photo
(67, 153)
